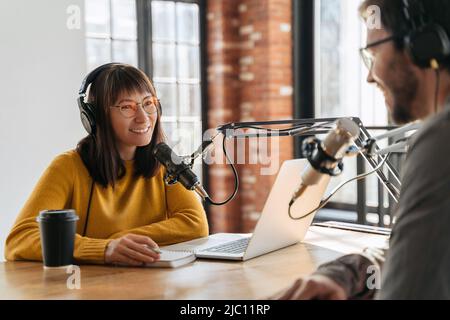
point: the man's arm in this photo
(357, 274)
(354, 276)
(418, 263)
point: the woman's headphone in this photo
(87, 109)
(427, 43)
(87, 115)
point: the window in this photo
(111, 32)
(341, 84)
(163, 39)
(340, 89)
(176, 70)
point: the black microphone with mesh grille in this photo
(177, 170)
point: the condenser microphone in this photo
(325, 157)
(177, 170)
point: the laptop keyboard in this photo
(235, 247)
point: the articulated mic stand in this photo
(366, 145)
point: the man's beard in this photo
(404, 90)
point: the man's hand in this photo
(131, 250)
(314, 287)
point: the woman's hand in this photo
(314, 287)
(131, 250)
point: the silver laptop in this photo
(274, 230)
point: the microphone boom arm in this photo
(367, 145)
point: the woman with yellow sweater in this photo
(112, 180)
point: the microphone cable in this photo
(88, 210)
(436, 94)
(304, 128)
(312, 127)
(236, 178)
(325, 201)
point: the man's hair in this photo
(100, 155)
(394, 20)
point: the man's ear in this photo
(407, 58)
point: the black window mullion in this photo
(204, 86)
(145, 56)
(145, 39)
(304, 15)
(303, 64)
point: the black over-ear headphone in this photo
(427, 43)
(87, 115)
(87, 109)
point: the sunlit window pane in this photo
(187, 22)
(167, 94)
(172, 134)
(164, 61)
(98, 52)
(176, 72)
(125, 52)
(124, 24)
(188, 62)
(190, 135)
(189, 99)
(163, 20)
(341, 82)
(100, 46)
(97, 17)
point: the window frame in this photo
(145, 58)
(110, 37)
(304, 105)
(144, 32)
(144, 47)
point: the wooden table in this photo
(257, 278)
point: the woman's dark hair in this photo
(394, 20)
(99, 153)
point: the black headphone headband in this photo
(87, 110)
(92, 76)
(415, 14)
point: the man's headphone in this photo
(87, 109)
(427, 43)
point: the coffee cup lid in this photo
(66, 215)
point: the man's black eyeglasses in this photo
(367, 57)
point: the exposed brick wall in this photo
(249, 79)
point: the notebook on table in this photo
(173, 259)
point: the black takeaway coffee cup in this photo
(57, 228)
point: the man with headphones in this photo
(409, 61)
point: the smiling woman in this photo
(135, 119)
(114, 93)
(113, 177)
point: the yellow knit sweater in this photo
(167, 214)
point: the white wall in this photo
(42, 64)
